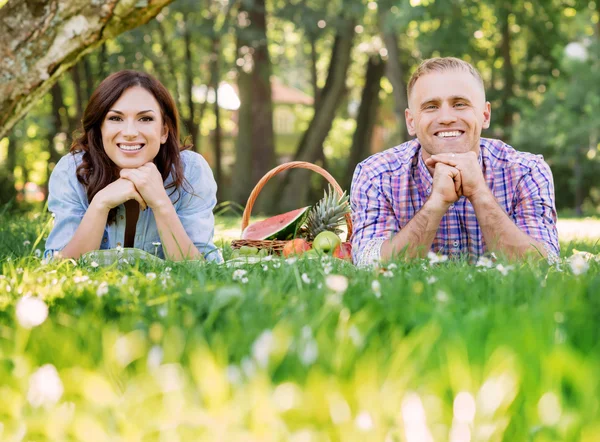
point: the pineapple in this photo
(327, 214)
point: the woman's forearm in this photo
(89, 234)
(176, 243)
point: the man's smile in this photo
(449, 133)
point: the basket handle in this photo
(285, 166)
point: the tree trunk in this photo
(508, 71)
(215, 80)
(41, 39)
(192, 127)
(366, 118)
(255, 149)
(395, 73)
(89, 79)
(295, 187)
(57, 127)
(314, 80)
(76, 78)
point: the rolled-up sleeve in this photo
(373, 219)
(535, 211)
(67, 202)
(198, 202)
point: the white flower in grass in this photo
(248, 367)
(306, 332)
(327, 268)
(37, 253)
(45, 387)
(102, 289)
(155, 357)
(81, 279)
(579, 264)
(265, 268)
(356, 336)
(291, 260)
(262, 347)
(434, 258)
(388, 273)
(336, 283)
(431, 279)
(26, 242)
(504, 270)
(19, 270)
(364, 421)
(376, 287)
(124, 280)
(31, 312)
(442, 296)
(309, 352)
(151, 276)
(306, 279)
(244, 280)
(484, 262)
(392, 266)
(234, 374)
(239, 274)
(119, 249)
(94, 264)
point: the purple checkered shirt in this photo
(390, 187)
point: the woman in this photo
(128, 182)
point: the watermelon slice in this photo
(282, 226)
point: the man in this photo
(449, 190)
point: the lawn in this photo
(301, 350)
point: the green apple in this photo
(326, 241)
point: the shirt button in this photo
(428, 191)
(456, 243)
(122, 217)
(105, 240)
(451, 206)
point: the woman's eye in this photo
(147, 119)
(114, 118)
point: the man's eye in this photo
(430, 107)
(460, 104)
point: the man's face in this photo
(447, 111)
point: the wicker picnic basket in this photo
(276, 246)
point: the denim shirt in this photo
(68, 201)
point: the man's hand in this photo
(117, 193)
(471, 175)
(149, 184)
(447, 186)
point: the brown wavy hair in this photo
(97, 170)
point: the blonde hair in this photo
(442, 64)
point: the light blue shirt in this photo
(68, 201)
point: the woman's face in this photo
(133, 130)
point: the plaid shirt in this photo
(390, 187)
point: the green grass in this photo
(189, 351)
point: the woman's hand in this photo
(149, 184)
(117, 193)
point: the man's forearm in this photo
(501, 234)
(416, 237)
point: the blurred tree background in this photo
(261, 82)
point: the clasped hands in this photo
(143, 184)
(455, 175)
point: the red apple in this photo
(295, 247)
(343, 251)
